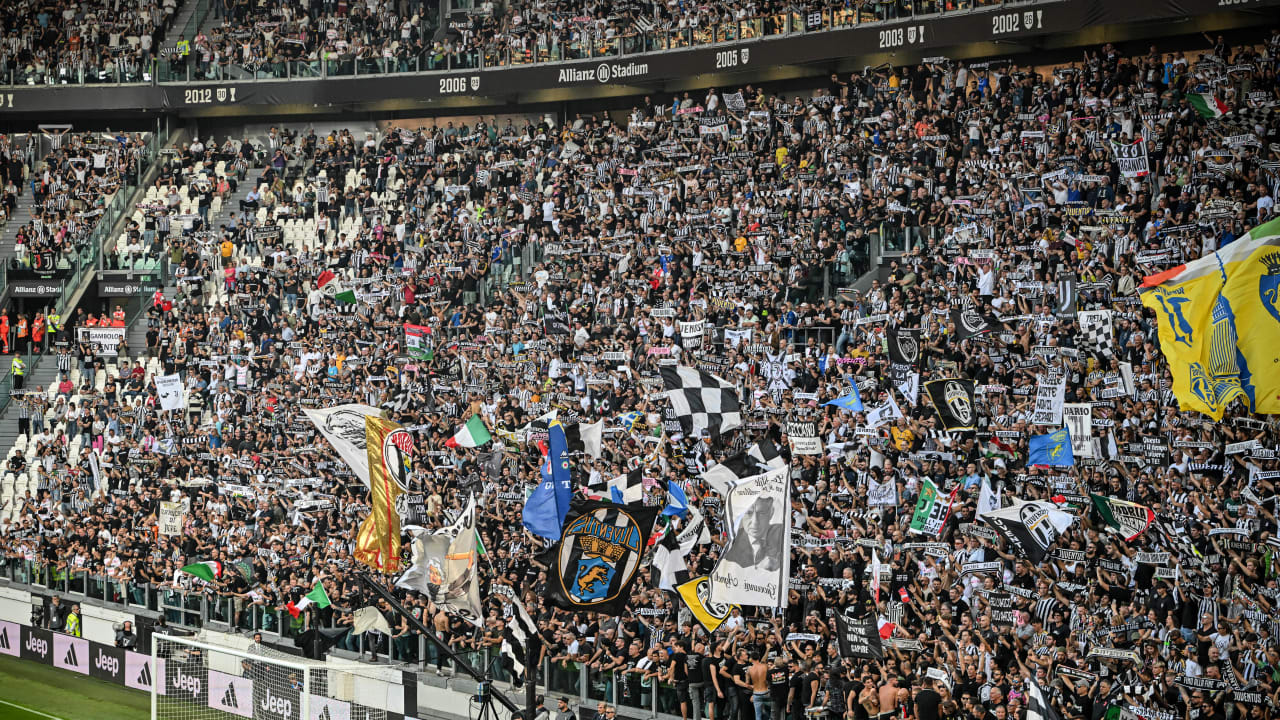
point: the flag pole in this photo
(417, 624)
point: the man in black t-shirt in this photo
(679, 674)
(697, 679)
(780, 685)
(927, 701)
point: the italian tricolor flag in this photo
(207, 570)
(1208, 106)
(316, 597)
(473, 434)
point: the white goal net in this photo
(199, 681)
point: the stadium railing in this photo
(548, 49)
(193, 611)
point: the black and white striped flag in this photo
(629, 488)
(516, 638)
(1038, 707)
(759, 458)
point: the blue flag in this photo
(1052, 449)
(544, 511)
(677, 501)
(851, 402)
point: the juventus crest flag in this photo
(597, 559)
(904, 346)
(970, 321)
(953, 399)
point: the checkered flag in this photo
(702, 401)
(1095, 330)
(1249, 118)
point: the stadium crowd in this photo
(989, 183)
(58, 43)
(74, 185)
(336, 39)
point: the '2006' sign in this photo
(1005, 23)
(900, 36)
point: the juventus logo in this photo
(971, 320)
(908, 348)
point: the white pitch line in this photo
(27, 709)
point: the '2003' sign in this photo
(1005, 23)
(901, 36)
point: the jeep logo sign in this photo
(107, 663)
(186, 682)
(190, 683)
(277, 705)
(37, 644)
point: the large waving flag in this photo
(545, 509)
(445, 566)
(1052, 449)
(472, 434)
(380, 453)
(1208, 105)
(1219, 321)
(851, 402)
(206, 570)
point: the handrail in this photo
(545, 51)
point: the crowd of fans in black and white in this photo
(337, 38)
(93, 41)
(756, 213)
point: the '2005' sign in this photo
(1005, 23)
(900, 36)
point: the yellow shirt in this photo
(902, 438)
(781, 155)
(227, 248)
(740, 244)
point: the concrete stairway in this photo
(41, 373)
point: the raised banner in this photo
(106, 339)
(859, 638)
(932, 510)
(1131, 158)
(173, 396)
(1078, 418)
(172, 517)
(1051, 392)
(757, 561)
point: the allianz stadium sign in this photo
(910, 39)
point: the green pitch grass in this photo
(30, 691)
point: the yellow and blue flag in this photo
(851, 402)
(1053, 449)
(629, 420)
(1219, 323)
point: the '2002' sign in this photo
(1005, 23)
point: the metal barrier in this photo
(549, 48)
(194, 611)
